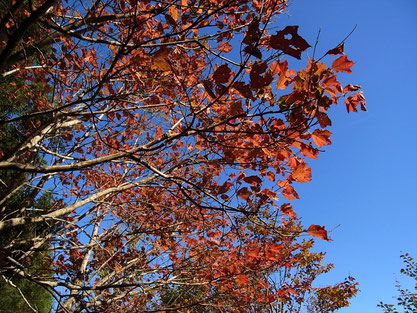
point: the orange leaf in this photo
(342, 64)
(290, 193)
(284, 78)
(270, 175)
(321, 137)
(286, 208)
(302, 173)
(242, 280)
(174, 13)
(318, 231)
(308, 151)
(160, 59)
(224, 47)
(158, 132)
(355, 100)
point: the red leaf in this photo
(242, 280)
(355, 100)
(207, 86)
(287, 209)
(321, 137)
(222, 74)
(243, 89)
(332, 86)
(350, 88)
(318, 231)
(244, 193)
(253, 34)
(293, 46)
(253, 180)
(253, 51)
(323, 119)
(224, 188)
(257, 81)
(342, 64)
(338, 50)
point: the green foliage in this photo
(11, 301)
(406, 300)
(15, 100)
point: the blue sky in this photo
(366, 181)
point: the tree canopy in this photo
(406, 299)
(166, 138)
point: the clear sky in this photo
(367, 180)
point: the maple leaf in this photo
(253, 34)
(253, 180)
(257, 80)
(302, 173)
(156, 68)
(243, 89)
(253, 51)
(342, 64)
(287, 209)
(321, 137)
(222, 74)
(338, 50)
(244, 193)
(290, 193)
(308, 151)
(318, 231)
(353, 101)
(242, 280)
(160, 59)
(285, 74)
(350, 88)
(224, 47)
(293, 46)
(323, 119)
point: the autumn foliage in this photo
(172, 135)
